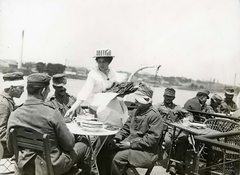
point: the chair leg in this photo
(149, 170)
(134, 170)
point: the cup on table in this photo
(185, 122)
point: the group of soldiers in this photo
(70, 150)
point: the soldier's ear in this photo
(42, 91)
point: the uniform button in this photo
(41, 163)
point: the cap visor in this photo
(62, 84)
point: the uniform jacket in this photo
(39, 116)
(193, 104)
(6, 106)
(142, 129)
(171, 113)
(63, 108)
(227, 107)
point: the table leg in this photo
(95, 150)
(170, 151)
(196, 158)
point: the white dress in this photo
(108, 107)
(96, 82)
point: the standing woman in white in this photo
(99, 79)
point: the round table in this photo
(78, 130)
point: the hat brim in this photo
(103, 56)
(230, 93)
(59, 85)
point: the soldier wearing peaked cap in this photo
(13, 87)
(170, 113)
(228, 105)
(214, 106)
(198, 103)
(61, 99)
(38, 115)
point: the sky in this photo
(198, 39)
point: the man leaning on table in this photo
(174, 113)
(139, 136)
(38, 115)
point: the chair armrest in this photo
(211, 142)
(224, 134)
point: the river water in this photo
(73, 86)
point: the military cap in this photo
(59, 80)
(12, 79)
(204, 91)
(41, 79)
(143, 94)
(217, 98)
(229, 91)
(13, 76)
(169, 92)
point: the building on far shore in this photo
(10, 64)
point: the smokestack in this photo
(20, 61)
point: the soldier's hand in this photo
(124, 145)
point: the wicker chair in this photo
(228, 157)
(222, 125)
(217, 153)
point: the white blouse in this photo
(96, 82)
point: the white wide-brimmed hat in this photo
(103, 53)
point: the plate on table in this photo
(111, 128)
(91, 126)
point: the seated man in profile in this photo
(13, 87)
(61, 100)
(139, 137)
(173, 113)
(42, 117)
(228, 105)
(198, 103)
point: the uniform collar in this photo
(8, 97)
(32, 100)
(145, 110)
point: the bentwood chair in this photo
(5, 162)
(158, 151)
(26, 138)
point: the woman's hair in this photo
(108, 59)
(34, 89)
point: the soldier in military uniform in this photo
(228, 105)
(214, 106)
(61, 99)
(173, 113)
(13, 87)
(139, 136)
(44, 118)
